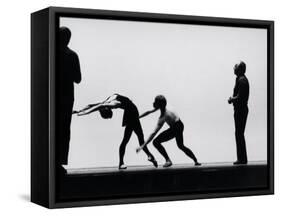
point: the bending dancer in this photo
(130, 121)
(175, 131)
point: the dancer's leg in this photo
(122, 148)
(163, 137)
(139, 132)
(187, 151)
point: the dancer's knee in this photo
(141, 141)
(238, 133)
(180, 146)
(156, 143)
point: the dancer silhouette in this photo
(175, 131)
(131, 122)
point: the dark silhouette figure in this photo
(68, 74)
(175, 131)
(131, 122)
(240, 103)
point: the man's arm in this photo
(152, 135)
(147, 113)
(77, 72)
(241, 89)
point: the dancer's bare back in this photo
(169, 117)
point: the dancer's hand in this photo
(81, 113)
(88, 107)
(75, 112)
(138, 149)
(229, 100)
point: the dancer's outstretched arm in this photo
(112, 104)
(85, 112)
(89, 106)
(147, 113)
(152, 135)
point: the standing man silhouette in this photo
(68, 74)
(240, 103)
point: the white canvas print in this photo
(199, 92)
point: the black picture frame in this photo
(44, 183)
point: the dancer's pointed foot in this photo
(122, 167)
(152, 160)
(167, 164)
(197, 163)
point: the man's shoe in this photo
(197, 163)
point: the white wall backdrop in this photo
(191, 65)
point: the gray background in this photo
(191, 65)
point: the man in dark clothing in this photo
(68, 73)
(240, 103)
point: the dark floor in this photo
(94, 184)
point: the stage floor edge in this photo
(111, 170)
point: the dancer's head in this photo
(106, 113)
(64, 36)
(240, 69)
(160, 102)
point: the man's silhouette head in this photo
(64, 36)
(160, 102)
(240, 69)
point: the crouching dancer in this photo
(175, 131)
